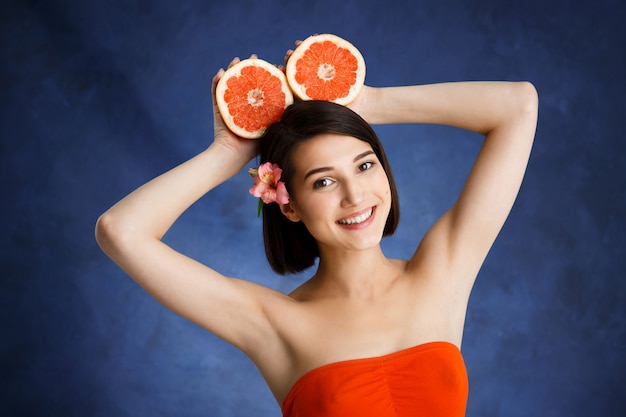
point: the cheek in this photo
(383, 183)
(387, 193)
(308, 208)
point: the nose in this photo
(352, 193)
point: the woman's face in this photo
(340, 191)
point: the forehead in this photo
(327, 150)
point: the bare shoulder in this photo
(303, 292)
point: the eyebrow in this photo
(325, 169)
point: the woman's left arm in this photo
(506, 114)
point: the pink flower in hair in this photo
(267, 184)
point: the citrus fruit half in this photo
(251, 95)
(326, 67)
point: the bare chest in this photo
(338, 331)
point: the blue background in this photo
(99, 97)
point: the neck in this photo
(361, 274)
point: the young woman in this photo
(365, 335)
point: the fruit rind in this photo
(241, 73)
(300, 90)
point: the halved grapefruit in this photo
(326, 67)
(251, 95)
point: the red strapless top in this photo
(428, 380)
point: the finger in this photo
(219, 74)
(290, 51)
(288, 55)
(216, 79)
(235, 60)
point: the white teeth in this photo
(357, 219)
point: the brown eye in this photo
(365, 166)
(321, 183)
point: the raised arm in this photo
(130, 233)
(506, 114)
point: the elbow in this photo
(519, 108)
(109, 233)
(528, 98)
(103, 232)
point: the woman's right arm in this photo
(130, 233)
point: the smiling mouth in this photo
(357, 219)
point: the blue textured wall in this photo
(99, 97)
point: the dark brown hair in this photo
(289, 246)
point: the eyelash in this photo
(362, 167)
(319, 183)
(369, 164)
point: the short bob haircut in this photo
(289, 246)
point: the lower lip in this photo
(361, 225)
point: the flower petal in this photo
(276, 173)
(266, 173)
(258, 188)
(269, 195)
(282, 196)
